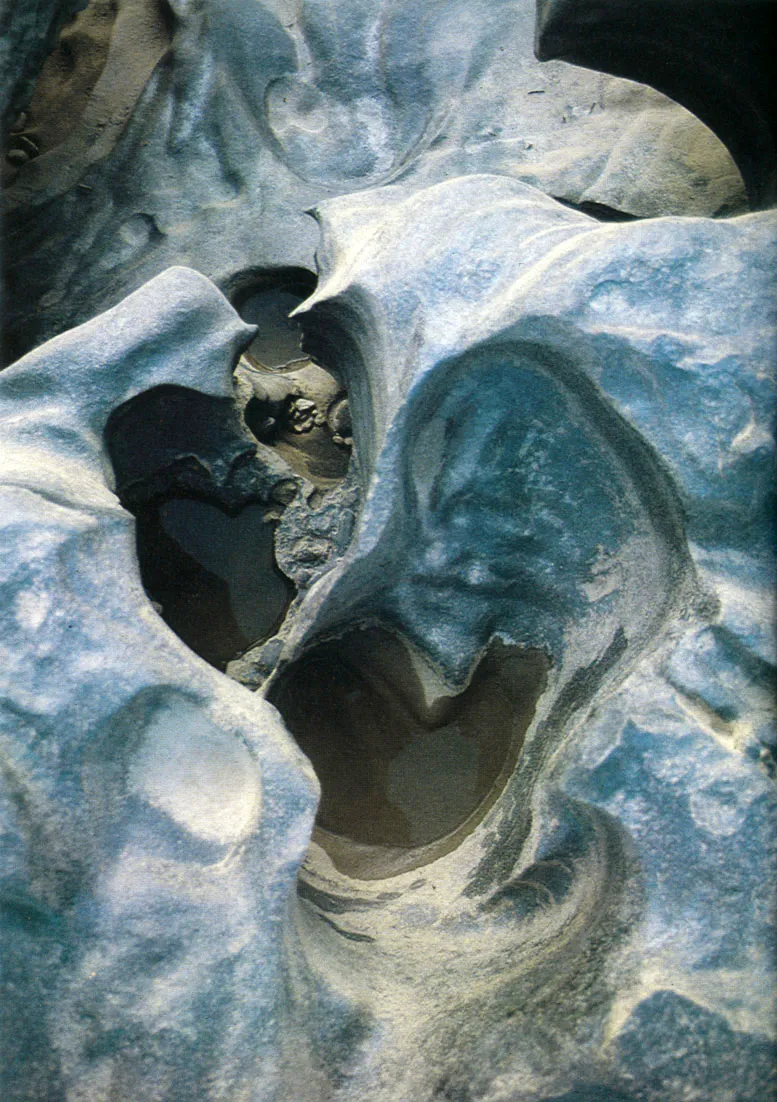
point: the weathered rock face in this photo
(154, 813)
(493, 547)
(730, 81)
(213, 127)
(26, 37)
(571, 431)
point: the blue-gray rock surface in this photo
(215, 127)
(489, 815)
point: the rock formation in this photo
(388, 559)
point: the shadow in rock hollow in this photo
(407, 764)
(188, 469)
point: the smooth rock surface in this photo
(713, 56)
(508, 396)
(215, 127)
(553, 536)
(600, 900)
(154, 813)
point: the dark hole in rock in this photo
(267, 302)
(407, 765)
(291, 403)
(213, 575)
(600, 211)
(188, 469)
(173, 442)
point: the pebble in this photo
(284, 492)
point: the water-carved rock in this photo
(484, 529)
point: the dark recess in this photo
(403, 760)
(188, 469)
(715, 57)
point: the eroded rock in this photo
(519, 472)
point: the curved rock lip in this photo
(408, 764)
